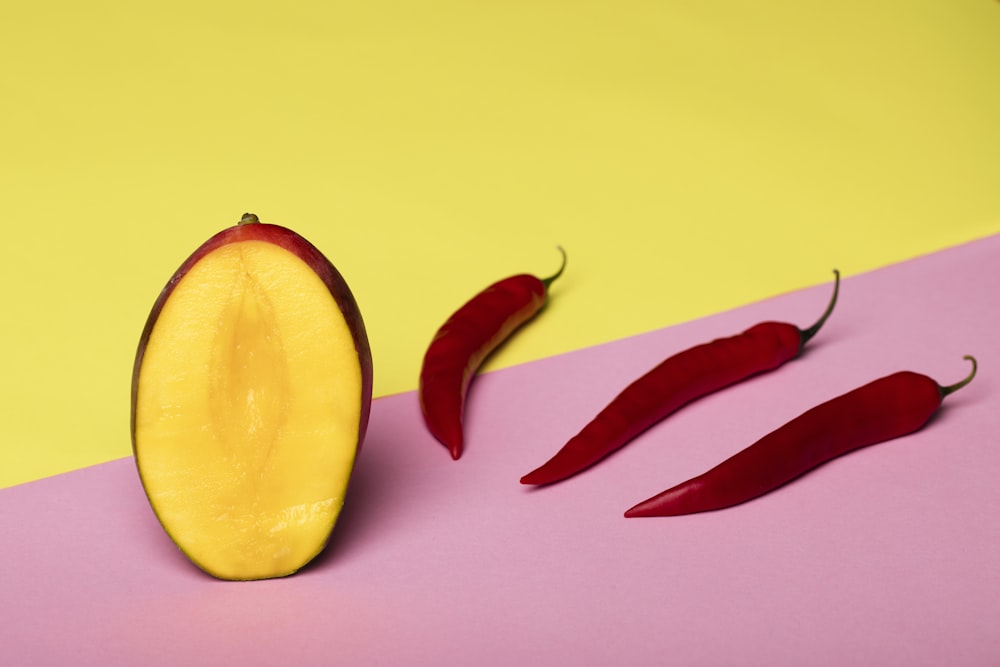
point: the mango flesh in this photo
(250, 400)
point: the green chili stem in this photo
(548, 281)
(811, 331)
(961, 383)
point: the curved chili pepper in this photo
(881, 410)
(674, 383)
(465, 340)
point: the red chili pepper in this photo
(887, 408)
(674, 383)
(465, 340)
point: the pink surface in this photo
(888, 556)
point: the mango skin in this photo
(294, 243)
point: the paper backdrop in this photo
(691, 158)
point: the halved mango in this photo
(250, 399)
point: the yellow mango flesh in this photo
(247, 412)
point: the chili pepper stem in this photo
(961, 383)
(551, 279)
(806, 334)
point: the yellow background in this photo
(691, 157)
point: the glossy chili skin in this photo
(675, 382)
(881, 410)
(464, 341)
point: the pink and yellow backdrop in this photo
(705, 165)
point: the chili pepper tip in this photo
(641, 510)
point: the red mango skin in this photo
(881, 410)
(461, 345)
(251, 230)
